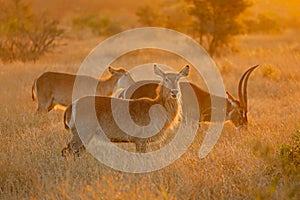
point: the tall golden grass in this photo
(243, 165)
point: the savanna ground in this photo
(256, 163)
(244, 164)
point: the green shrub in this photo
(97, 25)
(271, 72)
(263, 24)
(291, 153)
(282, 171)
(24, 36)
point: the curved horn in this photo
(245, 93)
(240, 92)
(242, 88)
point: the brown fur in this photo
(235, 111)
(53, 88)
(139, 112)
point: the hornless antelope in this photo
(53, 88)
(167, 96)
(236, 109)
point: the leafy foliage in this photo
(216, 21)
(291, 153)
(97, 25)
(262, 24)
(271, 72)
(171, 14)
(148, 17)
(283, 170)
(24, 36)
(212, 22)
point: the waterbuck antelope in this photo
(236, 109)
(53, 88)
(140, 111)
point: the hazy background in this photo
(262, 162)
(31, 28)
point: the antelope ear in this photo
(231, 99)
(185, 71)
(229, 96)
(158, 71)
(111, 69)
(119, 71)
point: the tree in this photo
(148, 17)
(171, 14)
(263, 23)
(216, 21)
(176, 15)
(213, 22)
(96, 24)
(24, 36)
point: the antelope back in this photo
(53, 88)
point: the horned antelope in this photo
(167, 96)
(53, 88)
(236, 109)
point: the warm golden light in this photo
(259, 161)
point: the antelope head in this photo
(170, 80)
(125, 79)
(237, 109)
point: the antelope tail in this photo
(32, 90)
(66, 114)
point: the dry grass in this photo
(243, 165)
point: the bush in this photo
(149, 16)
(214, 23)
(283, 171)
(97, 25)
(271, 72)
(263, 24)
(291, 153)
(24, 36)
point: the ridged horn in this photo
(242, 88)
